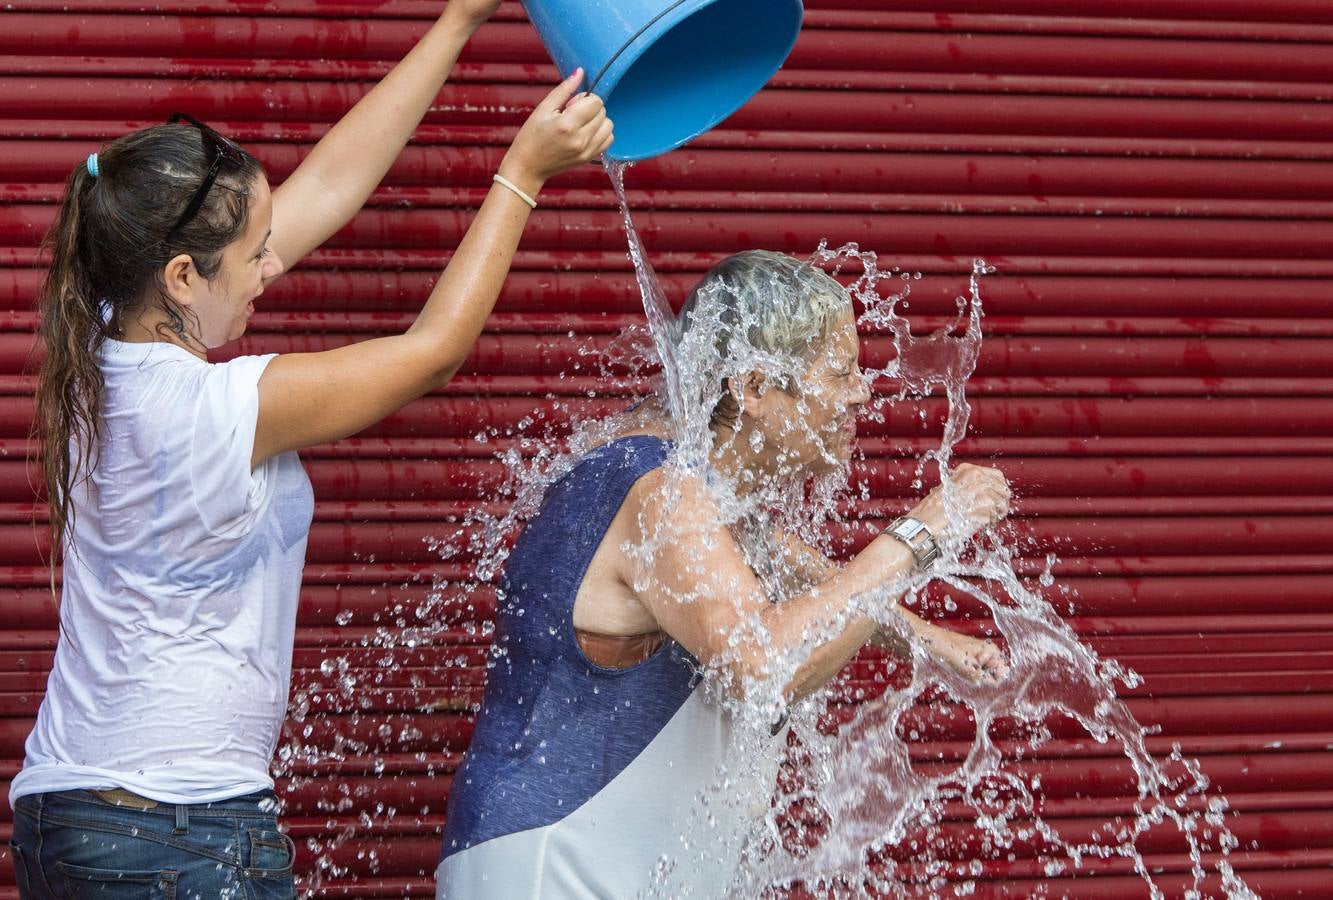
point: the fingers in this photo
(593, 131)
(585, 117)
(566, 130)
(584, 109)
(978, 660)
(563, 92)
(986, 491)
(602, 138)
(995, 664)
(990, 663)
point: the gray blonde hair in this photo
(767, 301)
(763, 301)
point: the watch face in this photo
(911, 529)
(918, 539)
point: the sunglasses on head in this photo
(221, 150)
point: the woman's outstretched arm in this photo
(334, 181)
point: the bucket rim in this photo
(615, 69)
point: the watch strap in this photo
(917, 537)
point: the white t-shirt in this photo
(178, 610)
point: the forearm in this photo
(817, 611)
(562, 132)
(802, 564)
(463, 298)
(814, 566)
(827, 659)
(895, 642)
(354, 156)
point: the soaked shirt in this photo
(582, 780)
(178, 607)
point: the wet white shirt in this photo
(178, 607)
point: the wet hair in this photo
(109, 246)
(762, 301)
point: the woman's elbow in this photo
(749, 675)
(433, 359)
(441, 376)
(755, 686)
(438, 365)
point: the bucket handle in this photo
(638, 34)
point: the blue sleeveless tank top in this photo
(555, 729)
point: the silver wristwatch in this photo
(917, 537)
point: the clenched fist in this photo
(978, 497)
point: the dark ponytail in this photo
(108, 248)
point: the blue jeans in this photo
(76, 844)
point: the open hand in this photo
(563, 132)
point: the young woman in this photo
(600, 765)
(174, 489)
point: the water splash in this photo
(662, 325)
(934, 785)
(860, 798)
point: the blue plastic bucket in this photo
(668, 71)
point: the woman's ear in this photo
(180, 279)
(752, 393)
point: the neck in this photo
(736, 459)
(156, 326)
(732, 455)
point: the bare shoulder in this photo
(606, 602)
(670, 499)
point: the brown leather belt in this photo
(122, 797)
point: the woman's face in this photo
(812, 428)
(227, 300)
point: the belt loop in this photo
(182, 819)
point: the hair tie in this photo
(92, 164)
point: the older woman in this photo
(176, 495)
(599, 743)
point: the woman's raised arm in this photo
(310, 398)
(334, 181)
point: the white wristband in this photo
(522, 195)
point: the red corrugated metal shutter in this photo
(1151, 179)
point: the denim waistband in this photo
(259, 805)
